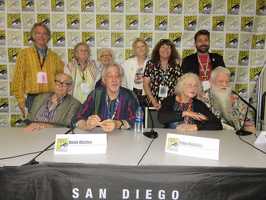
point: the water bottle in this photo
(138, 128)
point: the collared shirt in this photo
(96, 105)
(239, 109)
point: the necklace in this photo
(186, 118)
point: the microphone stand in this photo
(151, 134)
(33, 161)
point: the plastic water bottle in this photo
(138, 128)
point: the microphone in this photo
(151, 134)
(242, 132)
(28, 122)
(33, 161)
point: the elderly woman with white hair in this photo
(183, 111)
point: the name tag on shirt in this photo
(41, 77)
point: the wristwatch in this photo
(122, 125)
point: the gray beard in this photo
(223, 103)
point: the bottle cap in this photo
(139, 108)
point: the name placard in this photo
(80, 144)
(261, 139)
(192, 146)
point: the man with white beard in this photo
(109, 106)
(224, 104)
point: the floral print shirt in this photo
(160, 77)
(238, 112)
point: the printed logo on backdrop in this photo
(73, 6)
(130, 37)
(57, 5)
(27, 5)
(102, 6)
(245, 40)
(176, 38)
(13, 103)
(190, 7)
(61, 53)
(218, 51)
(231, 41)
(120, 55)
(70, 53)
(3, 86)
(218, 23)
(128, 54)
(102, 22)
(28, 20)
(187, 52)
(242, 89)
(188, 39)
(14, 21)
(233, 73)
(161, 23)
(257, 58)
(247, 24)
(117, 39)
(43, 5)
(162, 6)
(89, 38)
(258, 41)
(102, 38)
(117, 22)
(58, 21)
(217, 40)
(87, 6)
(13, 5)
(242, 74)
(4, 120)
(2, 37)
(204, 21)
(230, 57)
(190, 23)
(255, 73)
(243, 58)
(146, 22)
(117, 6)
(147, 37)
(12, 54)
(73, 38)
(173, 144)
(3, 55)
(62, 145)
(2, 21)
(233, 7)
(14, 38)
(205, 7)
(232, 23)
(132, 22)
(59, 39)
(4, 107)
(44, 18)
(2, 6)
(3, 72)
(176, 6)
(146, 6)
(16, 120)
(261, 7)
(87, 21)
(132, 6)
(73, 21)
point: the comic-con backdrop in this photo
(237, 27)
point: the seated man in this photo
(57, 107)
(109, 106)
(224, 104)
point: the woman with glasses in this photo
(58, 107)
(161, 73)
(105, 56)
(134, 69)
(183, 111)
(83, 71)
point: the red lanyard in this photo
(188, 109)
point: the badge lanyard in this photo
(108, 109)
(204, 70)
(43, 60)
(189, 107)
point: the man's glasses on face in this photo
(106, 56)
(64, 84)
(110, 76)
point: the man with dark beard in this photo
(224, 104)
(202, 62)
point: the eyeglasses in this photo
(191, 86)
(110, 76)
(107, 56)
(64, 84)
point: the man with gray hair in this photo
(109, 106)
(228, 107)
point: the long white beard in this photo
(223, 102)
